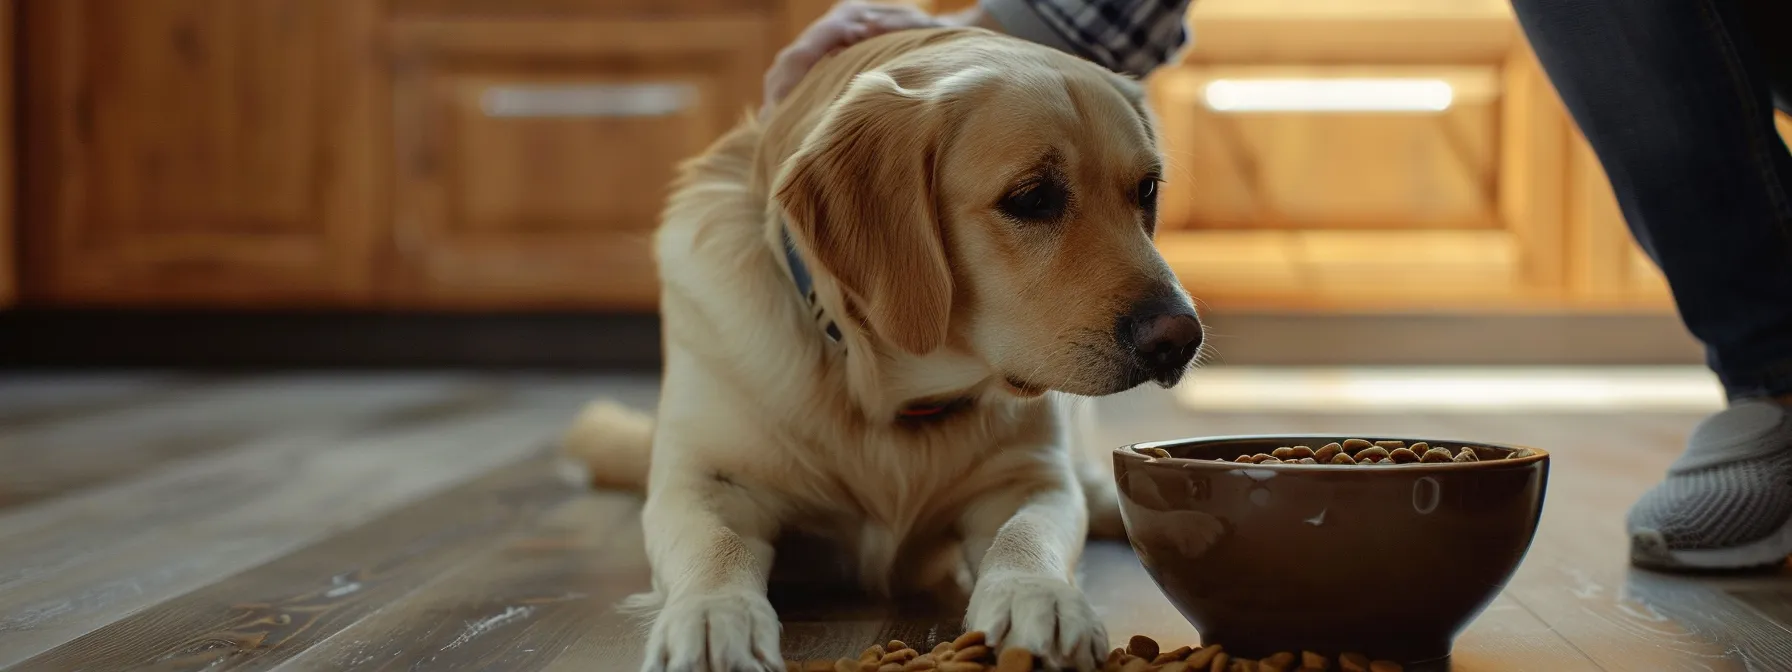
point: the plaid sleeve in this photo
(1128, 36)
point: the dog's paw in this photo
(734, 632)
(1044, 615)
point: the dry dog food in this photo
(971, 653)
(1359, 451)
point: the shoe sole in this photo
(1649, 550)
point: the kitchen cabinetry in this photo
(513, 155)
(1372, 155)
(201, 152)
(410, 154)
(534, 156)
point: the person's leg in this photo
(1674, 99)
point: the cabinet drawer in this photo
(1382, 147)
(534, 157)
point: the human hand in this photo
(848, 23)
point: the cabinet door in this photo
(534, 156)
(1372, 155)
(1333, 148)
(201, 152)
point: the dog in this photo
(879, 306)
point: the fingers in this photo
(847, 24)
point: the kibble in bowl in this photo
(1384, 546)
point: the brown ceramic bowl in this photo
(1391, 561)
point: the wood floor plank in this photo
(1507, 636)
(518, 608)
(1772, 602)
(1618, 629)
(26, 389)
(1710, 611)
(49, 536)
(39, 398)
(268, 614)
(428, 534)
(45, 460)
(1576, 577)
(281, 496)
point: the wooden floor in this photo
(337, 522)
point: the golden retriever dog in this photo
(876, 302)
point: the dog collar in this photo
(923, 411)
(913, 412)
(805, 286)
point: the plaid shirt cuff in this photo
(1133, 37)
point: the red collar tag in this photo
(921, 411)
(932, 410)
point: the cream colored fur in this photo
(766, 428)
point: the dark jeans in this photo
(1676, 98)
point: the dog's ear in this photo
(859, 195)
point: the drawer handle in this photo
(1328, 95)
(588, 100)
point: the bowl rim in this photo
(1132, 451)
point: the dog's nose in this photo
(1165, 336)
(1167, 341)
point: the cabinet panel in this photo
(534, 157)
(9, 268)
(1406, 174)
(202, 151)
(1331, 147)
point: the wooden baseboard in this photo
(1443, 339)
(203, 340)
(160, 339)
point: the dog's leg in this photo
(1025, 541)
(710, 545)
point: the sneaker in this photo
(1727, 502)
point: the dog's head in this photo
(998, 197)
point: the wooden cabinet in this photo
(440, 154)
(9, 284)
(201, 152)
(1407, 147)
(1372, 155)
(534, 156)
(1324, 155)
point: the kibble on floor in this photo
(970, 653)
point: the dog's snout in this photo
(1164, 335)
(1167, 341)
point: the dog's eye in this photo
(1038, 202)
(1147, 193)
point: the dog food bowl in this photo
(1391, 561)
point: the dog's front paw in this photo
(734, 632)
(1044, 615)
